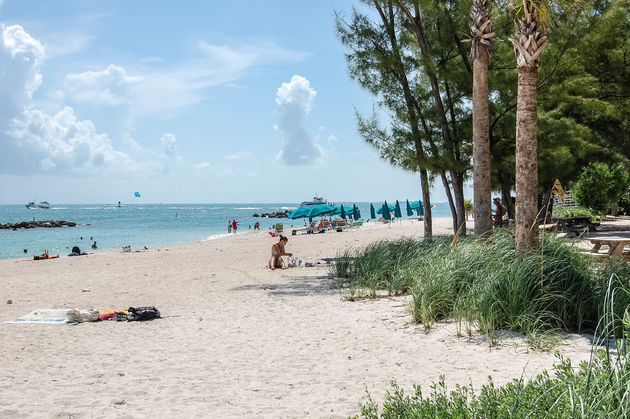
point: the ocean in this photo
(139, 225)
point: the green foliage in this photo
(483, 286)
(563, 211)
(599, 185)
(468, 205)
(600, 388)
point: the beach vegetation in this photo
(594, 389)
(599, 185)
(483, 287)
(411, 56)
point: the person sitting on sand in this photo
(77, 252)
(277, 251)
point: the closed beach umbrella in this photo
(409, 210)
(419, 207)
(386, 211)
(372, 212)
(390, 207)
(355, 212)
(343, 212)
(397, 212)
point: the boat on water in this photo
(41, 205)
(317, 200)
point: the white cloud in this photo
(66, 43)
(295, 100)
(241, 155)
(169, 145)
(109, 87)
(34, 140)
(165, 90)
(202, 165)
(64, 144)
(21, 57)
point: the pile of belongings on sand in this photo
(131, 314)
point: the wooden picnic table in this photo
(615, 244)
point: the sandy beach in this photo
(236, 339)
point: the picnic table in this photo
(615, 244)
(576, 225)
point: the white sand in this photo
(236, 339)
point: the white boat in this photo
(317, 200)
(41, 205)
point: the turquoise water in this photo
(138, 225)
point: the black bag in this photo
(143, 313)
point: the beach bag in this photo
(142, 313)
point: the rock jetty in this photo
(279, 214)
(37, 224)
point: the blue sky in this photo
(197, 102)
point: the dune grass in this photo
(483, 286)
(599, 388)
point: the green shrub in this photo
(599, 185)
(563, 211)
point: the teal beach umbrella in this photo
(397, 212)
(136, 194)
(409, 210)
(386, 211)
(418, 206)
(343, 212)
(390, 207)
(372, 212)
(322, 210)
(300, 213)
(355, 212)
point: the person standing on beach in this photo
(234, 225)
(229, 227)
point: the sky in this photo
(187, 102)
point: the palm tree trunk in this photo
(481, 146)
(526, 160)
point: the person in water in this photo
(277, 251)
(94, 246)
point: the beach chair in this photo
(325, 223)
(279, 228)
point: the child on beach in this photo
(277, 251)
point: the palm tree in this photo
(481, 36)
(529, 41)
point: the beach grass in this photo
(483, 286)
(599, 388)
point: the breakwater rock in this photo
(37, 224)
(279, 214)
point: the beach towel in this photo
(42, 316)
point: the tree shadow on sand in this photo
(295, 285)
